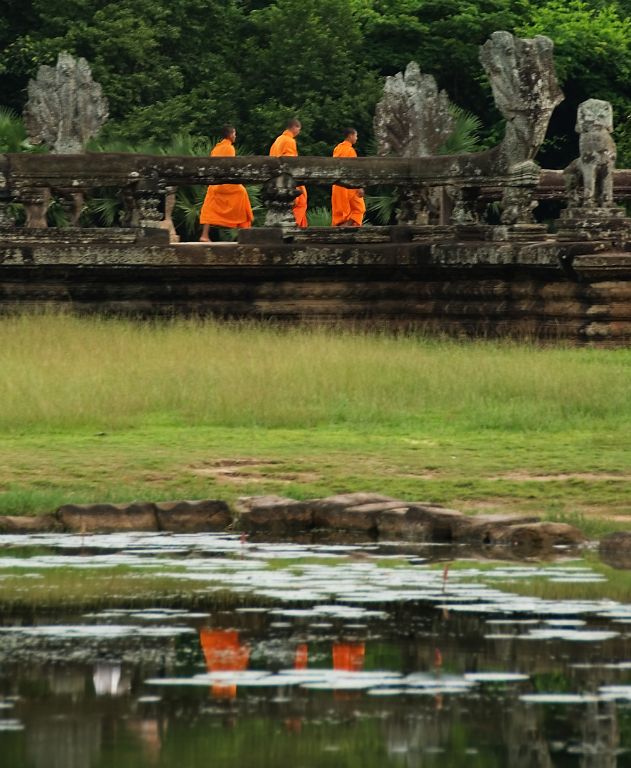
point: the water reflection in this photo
(224, 652)
(369, 665)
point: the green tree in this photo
(169, 67)
(306, 59)
(158, 65)
(592, 51)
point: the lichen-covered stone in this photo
(413, 118)
(65, 107)
(525, 89)
(589, 178)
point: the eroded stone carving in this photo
(589, 181)
(416, 205)
(525, 90)
(589, 178)
(36, 201)
(413, 118)
(65, 108)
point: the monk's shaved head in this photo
(227, 130)
(294, 126)
(350, 135)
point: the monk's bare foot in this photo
(203, 239)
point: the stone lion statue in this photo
(589, 178)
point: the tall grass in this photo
(60, 371)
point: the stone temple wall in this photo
(404, 279)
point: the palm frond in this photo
(188, 205)
(465, 136)
(382, 206)
(319, 217)
(13, 137)
(104, 209)
(56, 215)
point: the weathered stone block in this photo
(261, 236)
(193, 516)
(106, 518)
(442, 524)
(539, 535)
(615, 550)
(273, 513)
(349, 511)
(28, 524)
(396, 523)
(617, 540)
(487, 529)
(65, 108)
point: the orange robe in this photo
(285, 146)
(346, 203)
(226, 205)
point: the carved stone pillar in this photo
(465, 201)
(73, 203)
(150, 208)
(130, 215)
(278, 197)
(169, 206)
(518, 203)
(7, 216)
(415, 205)
(144, 207)
(35, 201)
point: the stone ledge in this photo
(193, 516)
(179, 516)
(384, 517)
(27, 524)
(107, 518)
(367, 515)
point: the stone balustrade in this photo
(462, 184)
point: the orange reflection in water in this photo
(349, 657)
(224, 652)
(301, 657)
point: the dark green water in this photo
(358, 664)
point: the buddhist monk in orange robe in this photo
(347, 205)
(285, 146)
(225, 205)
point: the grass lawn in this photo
(95, 410)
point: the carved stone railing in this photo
(148, 183)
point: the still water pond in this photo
(307, 655)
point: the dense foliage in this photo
(173, 66)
